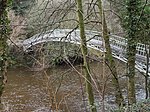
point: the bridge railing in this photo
(94, 40)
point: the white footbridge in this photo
(94, 41)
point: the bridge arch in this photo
(94, 41)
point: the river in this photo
(60, 89)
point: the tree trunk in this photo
(147, 67)
(3, 44)
(84, 53)
(131, 52)
(132, 17)
(109, 57)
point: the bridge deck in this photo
(94, 41)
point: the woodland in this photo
(106, 69)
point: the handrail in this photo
(94, 41)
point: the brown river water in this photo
(60, 89)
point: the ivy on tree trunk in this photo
(4, 32)
(131, 24)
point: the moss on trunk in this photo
(85, 61)
(109, 57)
(4, 31)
